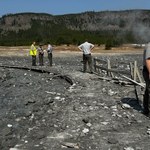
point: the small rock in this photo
(114, 148)
(114, 107)
(104, 123)
(103, 90)
(13, 149)
(41, 134)
(57, 98)
(53, 93)
(49, 100)
(106, 107)
(29, 101)
(148, 131)
(9, 125)
(85, 130)
(111, 93)
(70, 145)
(89, 124)
(126, 106)
(85, 120)
(112, 141)
(27, 113)
(62, 99)
(58, 94)
(128, 148)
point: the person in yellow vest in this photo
(33, 52)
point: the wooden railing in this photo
(132, 75)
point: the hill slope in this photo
(129, 25)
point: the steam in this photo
(142, 33)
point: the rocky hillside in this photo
(107, 20)
(136, 22)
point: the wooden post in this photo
(135, 64)
(109, 67)
(137, 73)
(131, 70)
(133, 75)
(94, 64)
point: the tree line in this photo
(58, 34)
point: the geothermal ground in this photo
(63, 108)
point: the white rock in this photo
(104, 123)
(17, 119)
(53, 93)
(58, 94)
(128, 148)
(126, 106)
(85, 130)
(9, 125)
(111, 93)
(148, 131)
(57, 97)
(89, 124)
(119, 115)
(62, 99)
(106, 107)
(102, 104)
(91, 108)
(103, 90)
(114, 107)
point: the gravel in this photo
(45, 111)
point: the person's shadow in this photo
(134, 103)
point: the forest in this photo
(110, 28)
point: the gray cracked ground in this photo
(41, 111)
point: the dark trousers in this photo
(41, 56)
(87, 61)
(50, 57)
(33, 60)
(146, 98)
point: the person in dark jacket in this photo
(146, 75)
(41, 55)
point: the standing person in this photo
(146, 75)
(86, 48)
(41, 55)
(49, 52)
(33, 52)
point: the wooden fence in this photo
(132, 75)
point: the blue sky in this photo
(58, 7)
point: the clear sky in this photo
(59, 7)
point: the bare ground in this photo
(42, 111)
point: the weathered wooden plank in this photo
(133, 81)
(100, 60)
(113, 70)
